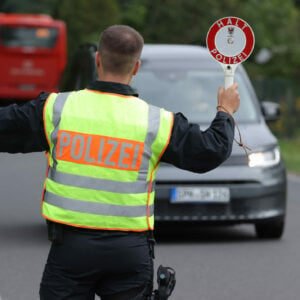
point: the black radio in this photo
(166, 282)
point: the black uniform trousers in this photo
(112, 265)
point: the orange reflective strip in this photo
(112, 94)
(99, 150)
(99, 228)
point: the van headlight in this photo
(264, 159)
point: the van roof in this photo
(173, 51)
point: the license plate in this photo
(200, 194)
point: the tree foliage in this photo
(28, 6)
(86, 19)
(180, 21)
(275, 23)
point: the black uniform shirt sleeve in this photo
(22, 128)
(200, 151)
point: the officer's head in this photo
(119, 52)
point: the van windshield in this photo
(191, 91)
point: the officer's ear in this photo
(97, 59)
(136, 67)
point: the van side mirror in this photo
(270, 110)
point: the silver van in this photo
(184, 78)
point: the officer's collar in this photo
(112, 87)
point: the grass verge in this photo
(290, 150)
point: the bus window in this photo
(32, 55)
(38, 37)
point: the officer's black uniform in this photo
(109, 263)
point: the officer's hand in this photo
(229, 99)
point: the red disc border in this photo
(211, 35)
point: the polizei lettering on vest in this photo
(99, 150)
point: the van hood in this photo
(256, 136)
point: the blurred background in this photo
(222, 263)
(274, 66)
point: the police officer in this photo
(103, 145)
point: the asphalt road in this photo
(211, 263)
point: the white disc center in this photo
(230, 40)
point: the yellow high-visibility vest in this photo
(104, 151)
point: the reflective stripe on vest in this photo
(57, 109)
(99, 184)
(99, 208)
(153, 126)
(67, 198)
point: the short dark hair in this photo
(120, 47)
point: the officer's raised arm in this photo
(199, 151)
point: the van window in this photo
(190, 91)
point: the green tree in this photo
(133, 12)
(275, 25)
(176, 21)
(28, 6)
(274, 22)
(86, 19)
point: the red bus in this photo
(32, 55)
